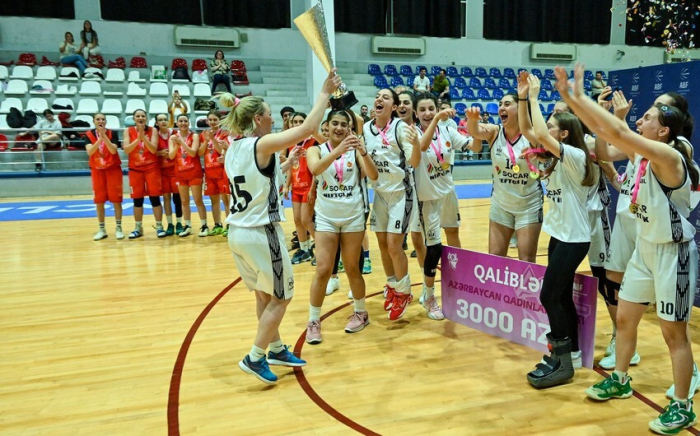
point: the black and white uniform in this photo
(393, 190)
(623, 238)
(256, 238)
(340, 207)
(664, 265)
(516, 198)
(598, 219)
(437, 205)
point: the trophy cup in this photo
(312, 25)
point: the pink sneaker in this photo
(357, 321)
(399, 305)
(432, 307)
(313, 332)
(389, 293)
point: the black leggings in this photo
(220, 78)
(178, 205)
(557, 295)
(337, 259)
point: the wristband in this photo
(363, 155)
(523, 99)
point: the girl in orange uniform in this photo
(168, 182)
(214, 144)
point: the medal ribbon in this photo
(640, 173)
(511, 153)
(528, 152)
(339, 166)
(382, 132)
(438, 149)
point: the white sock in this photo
(159, 226)
(304, 245)
(169, 218)
(188, 223)
(390, 279)
(256, 354)
(204, 223)
(621, 375)
(428, 291)
(139, 224)
(178, 219)
(359, 305)
(277, 346)
(404, 285)
(314, 313)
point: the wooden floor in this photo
(129, 338)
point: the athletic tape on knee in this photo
(432, 258)
(138, 202)
(155, 201)
(611, 288)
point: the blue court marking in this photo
(62, 209)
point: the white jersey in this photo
(513, 192)
(598, 194)
(254, 190)
(336, 200)
(662, 213)
(390, 156)
(433, 176)
(626, 183)
(567, 219)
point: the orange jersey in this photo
(301, 175)
(102, 159)
(167, 165)
(188, 167)
(212, 167)
(141, 158)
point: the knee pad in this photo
(138, 202)
(432, 258)
(611, 288)
(155, 201)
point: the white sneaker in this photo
(610, 349)
(431, 306)
(350, 297)
(333, 285)
(576, 360)
(694, 385)
(118, 233)
(101, 234)
(609, 361)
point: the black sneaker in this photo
(405, 243)
(300, 256)
(414, 254)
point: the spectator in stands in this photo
(285, 113)
(176, 107)
(421, 83)
(69, 54)
(462, 126)
(364, 113)
(88, 36)
(219, 72)
(485, 118)
(49, 131)
(449, 122)
(441, 86)
(597, 85)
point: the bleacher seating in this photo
(475, 83)
(134, 104)
(157, 107)
(484, 94)
(498, 94)
(467, 72)
(87, 106)
(490, 83)
(495, 73)
(406, 70)
(28, 59)
(396, 81)
(492, 108)
(460, 108)
(4, 74)
(69, 74)
(544, 96)
(390, 70)
(549, 74)
(112, 106)
(41, 87)
(481, 72)
(454, 94)
(468, 94)
(199, 65)
(38, 105)
(64, 102)
(90, 88)
(409, 81)
(22, 72)
(158, 89)
(460, 83)
(420, 67)
(45, 73)
(435, 70)
(138, 62)
(16, 87)
(115, 75)
(508, 73)
(374, 70)
(537, 73)
(546, 85)
(452, 72)
(202, 90)
(481, 108)
(380, 82)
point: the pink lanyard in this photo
(534, 173)
(635, 190)
(438, 149)
(516, 167)
(339, 166)
(382, 133)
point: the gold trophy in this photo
(312, 25)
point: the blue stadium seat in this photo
(454, 94)
(520, 70)
(588, 75)
(380, 82)
(495, 73)
(452, 72)
(546, 85)
(490, 83)
(492, 108)
(484, 94)
(480, 72)
(390, 70)
(467, 72)
(406, 70)
(475, 83)
(513, 91)
(555, 96)
(435, 70)
(537, 73)
(460, 108)
(587, 84)
(396, 81)
(409, 81)
(542, 109)
(504, 83)
(468, 94)
(498, 94)
(508, 73)
(550, 108)
(460, 83)
(374, 70)
(544, 96)
(481, 108)
(549, 74)
(419, 67)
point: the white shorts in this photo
(262, 259)
(665, 274)
(429, 212)
(450, 211)
(347, 225)
(391, 212)
(622, 243)
(415, 219)
(518, 220)
(600, 237)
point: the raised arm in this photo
(484, 132)
(539, 126)
(366, 163)
(524, 122)
(430, 130)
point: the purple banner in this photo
(501, 296)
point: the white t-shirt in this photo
(44, 124)
(432, 180)
(336, 200)
(513, 192)
(421, 84)
(567, 219)
(390, 156)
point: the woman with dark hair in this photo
(70, 54)
(168, 180)
(391, 144)
(571, 174)
(213, 146)
(663, 268)
(219, 72)
(89, 43)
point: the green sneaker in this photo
(341, 267)
(170, 230)
(610, 388)
(225, 232)
(367, 266)
(217, 230)
(178, 229)
(674, 418)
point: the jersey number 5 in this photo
(240, 197)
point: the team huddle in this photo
(648, 257)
